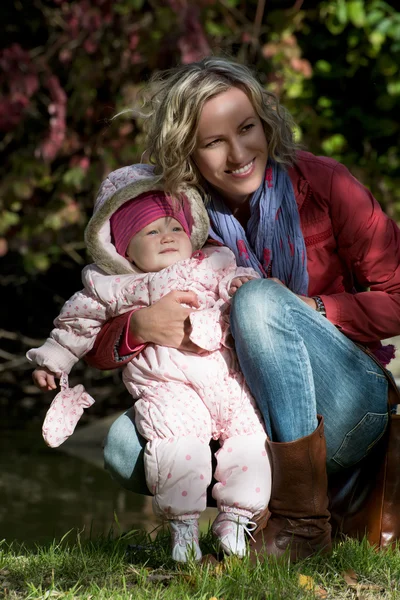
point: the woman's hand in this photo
(237, 282)
(309, 301)
(44, 379)
(166, 322)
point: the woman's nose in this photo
(236, 152)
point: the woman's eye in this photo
(213, 143)
(248, 127)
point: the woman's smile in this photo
(245, 171)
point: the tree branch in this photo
(258, 19)
(13, 335)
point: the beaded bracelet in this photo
(320, 305)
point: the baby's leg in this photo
(243, 470)
(177, 457)
(243, 473)
(243, 489)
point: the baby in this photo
(182, 399)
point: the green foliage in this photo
(74, 65)
(345, 97)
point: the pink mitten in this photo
(64, 412)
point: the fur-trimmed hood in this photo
(119, 187)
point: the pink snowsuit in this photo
(182, 399)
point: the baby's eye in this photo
(177, 228)
(152, 232)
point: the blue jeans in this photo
(297, 364)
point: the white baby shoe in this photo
(229, 529)
(185, 540)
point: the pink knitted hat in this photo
(135, 214)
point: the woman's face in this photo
(231, 149)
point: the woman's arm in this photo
(370, 244)
(165, 323)
(113, 347)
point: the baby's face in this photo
(159, 245)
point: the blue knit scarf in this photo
(273, 243)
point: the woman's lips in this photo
(245, 171)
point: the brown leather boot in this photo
(299, 502)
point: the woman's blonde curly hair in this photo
(174, 106)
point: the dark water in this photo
(44, 493)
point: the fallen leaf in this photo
(308, 583)
(219, 569)
(350, 578)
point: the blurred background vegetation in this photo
(68, 66)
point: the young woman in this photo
(330, 290)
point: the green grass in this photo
(110, 568)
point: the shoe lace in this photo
(184, 530)
(249, 528)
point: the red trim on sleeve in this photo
(129, 343)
